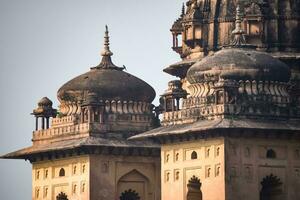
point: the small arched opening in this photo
(271, 154)
(194, 155)
(62, 172)
(271, 188)
(194, 189)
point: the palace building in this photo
(230, 125)
(227, 128)
(85, 153)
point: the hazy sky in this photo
(44, 43)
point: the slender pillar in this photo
(36, 123)
(47, 122)
(43, 123)
(177, 103)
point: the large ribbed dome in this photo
(239, 64)
(107, 82)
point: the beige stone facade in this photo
(96, 177)
(69, 175)
(230, 168)
(203, 159)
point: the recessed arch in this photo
(135, 181)
(271, 153)
(62, 172)
(194, 189)
(194, 155)
(271, 188)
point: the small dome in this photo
(106, 82)
(239, 64)
(45, 102)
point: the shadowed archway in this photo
(62, 196)
(134, 186)
(194, 189)
(130, 195)
(271, 188)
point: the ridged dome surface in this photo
(239, 64)
(107, 84)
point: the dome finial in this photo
(106, 62)
(239, 38)
(106, 51)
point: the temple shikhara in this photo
(227, 127)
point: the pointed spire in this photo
(106, 51)
(182, 10)
(106, 62)
(239, 38)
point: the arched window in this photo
(74, 169)
(177, 175)
(37, 174)
(83, 168)
(194, 155)
(167, 157)
(46, 173)
(297, 153)
(62, 172)
(207, 152)
(218, 151)
(74, 188)
(271, 153)
(83, 187)
(218, 171)
(208, 172)
(177, 156)
(247, 152)
(129, 195)
(61, 196)
(168, 176)
(37, 193)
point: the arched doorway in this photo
(271, 188)
(61, 196)
(194, 189)
(130, 195)
(134, 186)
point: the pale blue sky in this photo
(44, 43)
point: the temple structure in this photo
(84, 153)
(231, 123)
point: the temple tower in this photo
(236, 132)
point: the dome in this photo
(45, 102)
(107, 82)
(239, 64)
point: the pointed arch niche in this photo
(194, 189)
(134, 186)
(271, 188)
